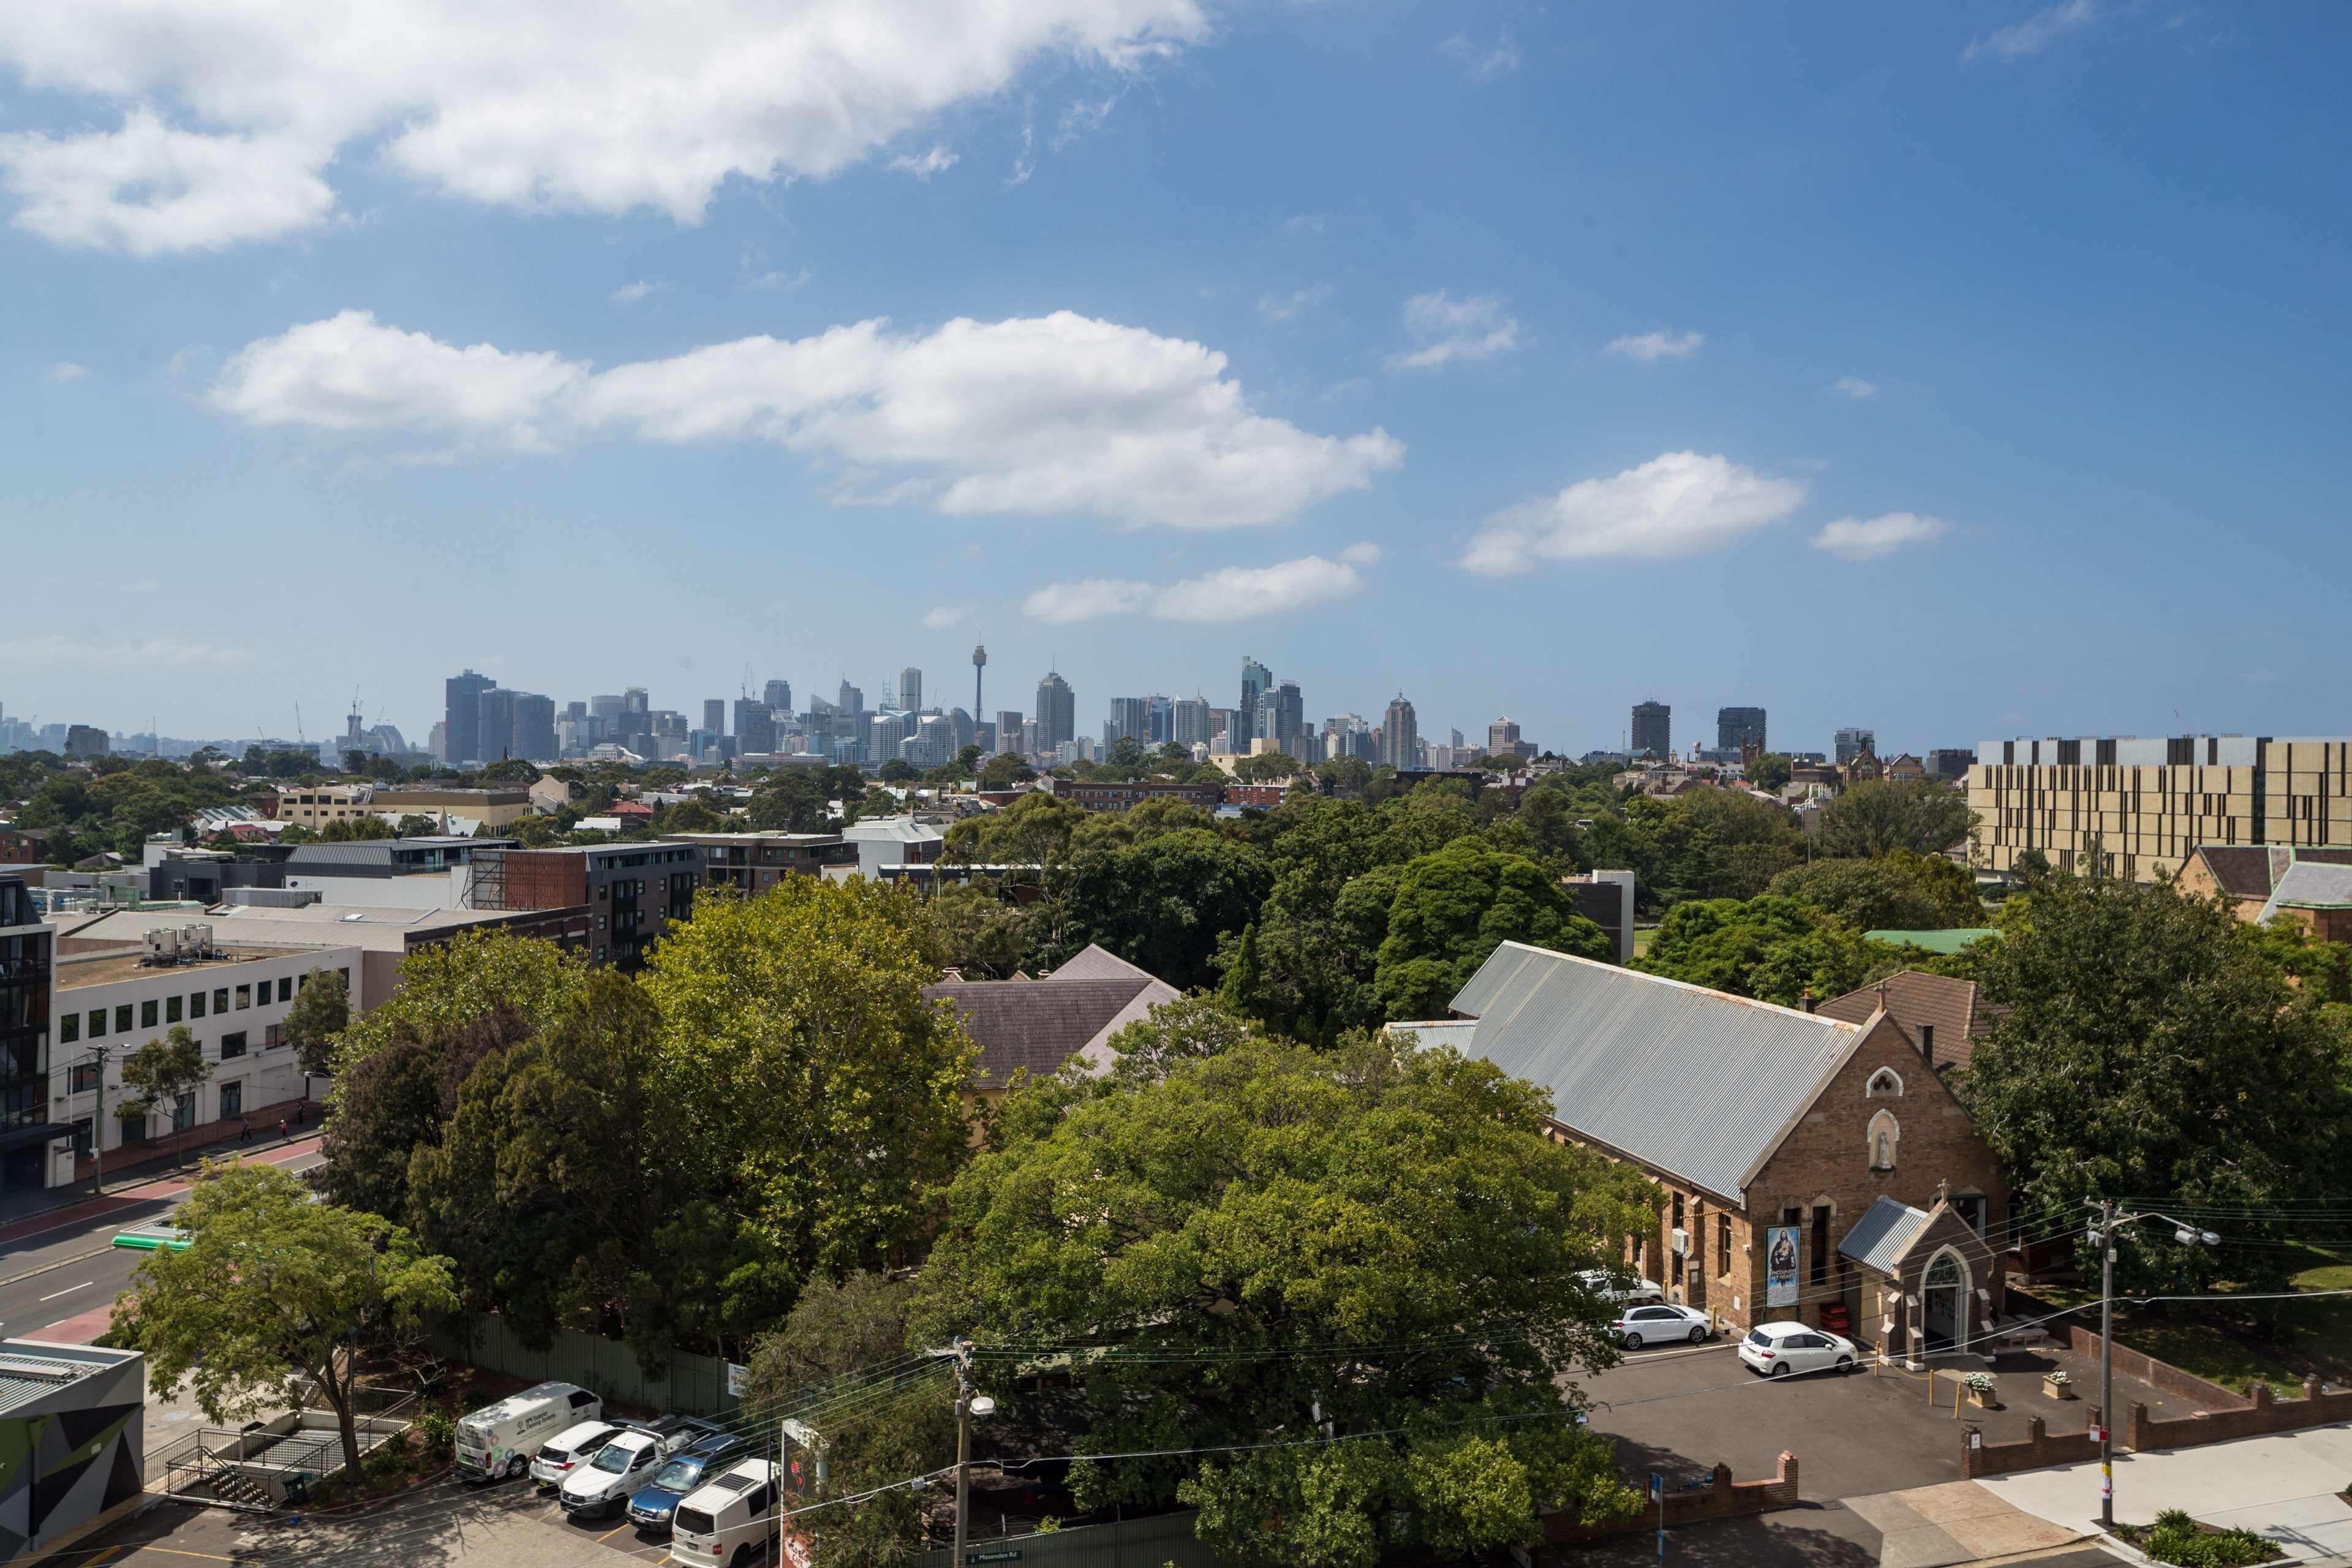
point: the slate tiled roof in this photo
(1040, 1023)
(2255, 870)
(1913, 998)
(2311, 885)
(1695, 1083)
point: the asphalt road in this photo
(66, 1271)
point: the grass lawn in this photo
(2312, 1338)
(1643, 937)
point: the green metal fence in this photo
(691, 1384)
(1130, 1543)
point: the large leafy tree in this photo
(821, 1093)
(2144, 1044)
(1453, 908)
(1163, 903)
(274, 1289)
(1878, 817)
(1899, 892)
(1772, 949)
(1367, 1259)
(321, 1011)
(164, 1072)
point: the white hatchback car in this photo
(572, 1446)
(1658, 1323)
(1776, 1350)
(1605, 1287)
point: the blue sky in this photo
(1961, 371)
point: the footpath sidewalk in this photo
(2287, 1487)
(152, 1183)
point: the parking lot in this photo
(1680, 1411)
(445, 1524)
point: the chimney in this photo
(1806, 1001)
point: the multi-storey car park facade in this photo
(2150, 804)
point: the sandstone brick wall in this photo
(2261, 1414)
(2037, 1450)
(1722, 1498)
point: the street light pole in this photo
(2107, 1364)
(963, 1444)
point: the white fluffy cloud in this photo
(233, 113)
(1854, 386)
(636, 293)
(1679, 504)
(1447, 329)
(941, 617)
(152, 653)
(1482, 61)
(2034, 33)
(64, 371)
(1228, 593)
(1651, 347)
(1037, 415)
(1867, 539)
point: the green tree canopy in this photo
(1163, 903)
(1453, 908)
(1283, 1246)
(1772, 949)
(1878, 817)
(273, 1288)
(315, 1022)
(2143, 1046)
(821, 1091)
(1899, 892)
(1771, 772)
(164, 1072)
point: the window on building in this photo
(183, 1114)
(273, 1036)
(286, 988)
(82, 1137)
(1927, 1042)
(244, 997)
(1885, 1083)
(220, 998)
(134, 1129)
(83, 1078)
(233, 1046)
(1678, 1211)
(1821, 1261)
(232, 1099)
(69, 1029)
(1676, 1270)
(97, 1022)
(197, 1005)
(170, 1009)
(149, 1011)
(1723, 1244)
(122, 1018)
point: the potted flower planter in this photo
(2057, 1385)
(1980, 1389)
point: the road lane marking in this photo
(67, 1290)
(52, 1268)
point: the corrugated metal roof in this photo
(1693, 1082)
(1884, 1234)
(2311, 885)
(1460, 1033)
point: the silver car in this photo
(1660, 1322)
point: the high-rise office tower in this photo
(1283, 714)
(1734, 728)
(1126, 719)
(1502, 737)
(1189, 722)
(1255, 678)
(853, 698)
(1056, 711)
(1008, 730)
(497, 732)
(534, 727)
(779, 695)
(887, 730)
(1401, 736)
(462, 716)
(714, 715)
(606, 711)
(911, 689)
(1852, 742)
(1654, 730)
(755, 725)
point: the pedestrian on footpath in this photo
(243, 1130)
(282, 1128)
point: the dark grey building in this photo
(1128, 721)
(461, 729)
(779, 695)
(496, 736)
(1255, 680)
(1950, 761)
(534, 727)
(25, 1130)
(1057, 715)
(1735, 727)
(714, 715)
(755, 725)
(1654, 728)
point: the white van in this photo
(726, 1522)
(502, 1439)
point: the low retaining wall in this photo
(2263, 1414)
(2037, 1450)
(2084, 1339)
(1723, 1498)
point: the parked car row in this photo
(694, 1480)
(1776, 1350)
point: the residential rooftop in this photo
(131, 963)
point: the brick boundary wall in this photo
(2035, 1451)
(1722, 1498)
(300, 1114)
(2084, 1339)
(2263, 1414)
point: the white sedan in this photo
(1658, 1323)
(1776, 1350)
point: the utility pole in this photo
(2107, 1364)
(964, 1445)
(97, 1128)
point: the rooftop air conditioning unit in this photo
(164, 946)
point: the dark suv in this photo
(651, 1508)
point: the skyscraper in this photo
(1127, 719)
(755, 725)
(714, 715)
(1401, 736)
(780, 696)
(1852, 742)
(497, 732)
(462, 716)
(534, 727)
(1008, 730)
(1282, 715)
(1188, 723)
(1735, 727)
(853, 699)
(1654, 728)
(911, 689)
(1056, 711)
(1255, 678)
(1502, 737)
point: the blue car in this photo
(658, 1500)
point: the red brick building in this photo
(1126, 795)
(1771, 1133)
